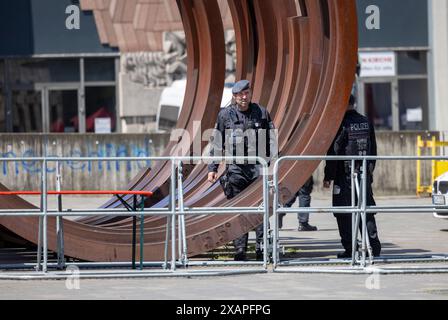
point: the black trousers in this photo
(342, 198)
(238, 181)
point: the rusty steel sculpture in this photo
(301, 57)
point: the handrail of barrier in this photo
(213, 159)
(77, 192)
(356, 158)
(362, 207)
(59, 222)
(172, 212)
(199, 159)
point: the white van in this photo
(171, 102)
(440, 194)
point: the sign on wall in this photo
(377, 64)
(103, 125)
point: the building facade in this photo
(62, 79)
(394, 49)
(56, 76)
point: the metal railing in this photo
(173, 212)
(177, 211)
(358, 209)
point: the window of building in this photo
(99, 69)
(2, 111)
(31, 71)
(399, 100)
(413, 101)
(378, 104)
(63, 107)
(27, 111)
(2, 98)
(45, 94)
(2, 72)
(412, 63)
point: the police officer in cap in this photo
(242, 126)
(356, 136)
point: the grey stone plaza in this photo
(401, 234)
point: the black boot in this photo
(305, 226)
(280, 220)
(240, 255)
(345, 255)
(376, 250)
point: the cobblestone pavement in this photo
(401, 234)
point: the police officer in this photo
(356, 136)
(304, 195)
(242, 126)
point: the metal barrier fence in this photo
(359, 210)
(173, 212)
(177, 211)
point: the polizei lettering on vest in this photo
(359, 126)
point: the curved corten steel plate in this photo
(302, 65)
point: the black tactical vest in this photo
(358, 139)
(245, 129)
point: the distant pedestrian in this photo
(304, 195)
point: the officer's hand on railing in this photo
(327, 184)
(212, 177)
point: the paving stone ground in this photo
(401, 234)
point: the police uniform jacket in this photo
(238, 133)
(356, 137)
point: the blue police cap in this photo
(240, 86)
